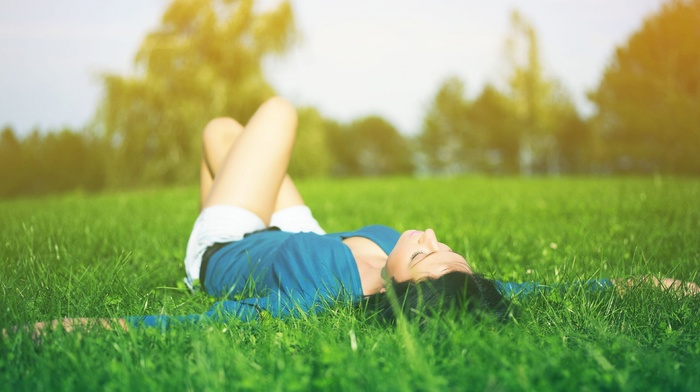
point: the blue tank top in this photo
(283, 274)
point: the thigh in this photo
(288, 195)
(218, 137)
(254, 168)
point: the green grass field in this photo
(120, 254)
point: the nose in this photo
(429, 239)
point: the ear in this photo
(382, 290)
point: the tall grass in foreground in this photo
(120, 254)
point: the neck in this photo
(370, 259)
(372, 281)
(371, 274)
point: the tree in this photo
(311, 157)
(203, 61)
(540, 103)
(575, 143)
(70, 160)
(370, 147)
(12, 164)
(59, 162)
(445, 132)
(492, 116)
(649, 97)
(343, 150)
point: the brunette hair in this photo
(455, 292)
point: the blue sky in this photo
(354, 58)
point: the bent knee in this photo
(220, 130)
(281, 107)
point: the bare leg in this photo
(68, 325)
(288, 195)
(205, 183)
(219, 136)
(253, 170)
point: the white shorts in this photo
(224, 223)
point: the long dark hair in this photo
(454, 292)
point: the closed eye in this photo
(415, 262)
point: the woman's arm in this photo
(221, 311)
(524, 289)
(685, 288)
(69, 325)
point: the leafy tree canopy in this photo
(540, 103)
(649, 97)
(203, 61)
(370, 146)
(446, 127)
(524, 129)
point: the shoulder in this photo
(379, 229)
(384, 236)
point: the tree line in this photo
(204, 61)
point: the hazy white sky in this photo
(355, 58)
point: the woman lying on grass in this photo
(256, 245)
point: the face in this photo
(418, 256)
